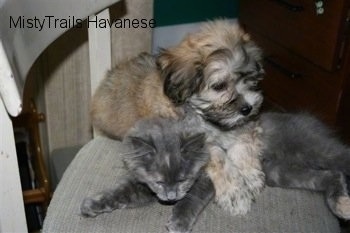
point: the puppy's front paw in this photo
(178, 225)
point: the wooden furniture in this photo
(307, 57)
(29, 121)
(19, 48)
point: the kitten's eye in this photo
(183, 178)
(219, 86)
(161, 183)
(180, 180)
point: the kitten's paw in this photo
(91, 207)
(342, 207)
(176, 225)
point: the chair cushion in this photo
(60, 159)
(98, 166)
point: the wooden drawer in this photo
(295, 25)
(296, 84)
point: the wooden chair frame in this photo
(30, 122)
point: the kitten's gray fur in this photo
(301, 152)
(165, 163)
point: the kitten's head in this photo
(167, 160)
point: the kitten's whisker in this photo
(130, 153)
(126, 155)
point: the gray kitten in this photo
(301, 152)
(166, 163)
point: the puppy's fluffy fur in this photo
(216, 70)
(236, 168)
(129, 92)
(214, 73)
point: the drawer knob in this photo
(287, 72)
(290, 6)
(319, 7)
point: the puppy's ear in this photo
(181, 71)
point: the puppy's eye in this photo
(244, 74)
(254, 86)
(241, 74)
(219, 86)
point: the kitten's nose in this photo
(171, 196)
(246, 109)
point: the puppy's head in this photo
(216, 70)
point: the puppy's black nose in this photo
(246, 109)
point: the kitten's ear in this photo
(138, 142)
(194, 142)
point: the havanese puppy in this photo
(215, 70)
(211, 76)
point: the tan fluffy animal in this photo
(206, 70)
(131, 91)
(211, 78)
